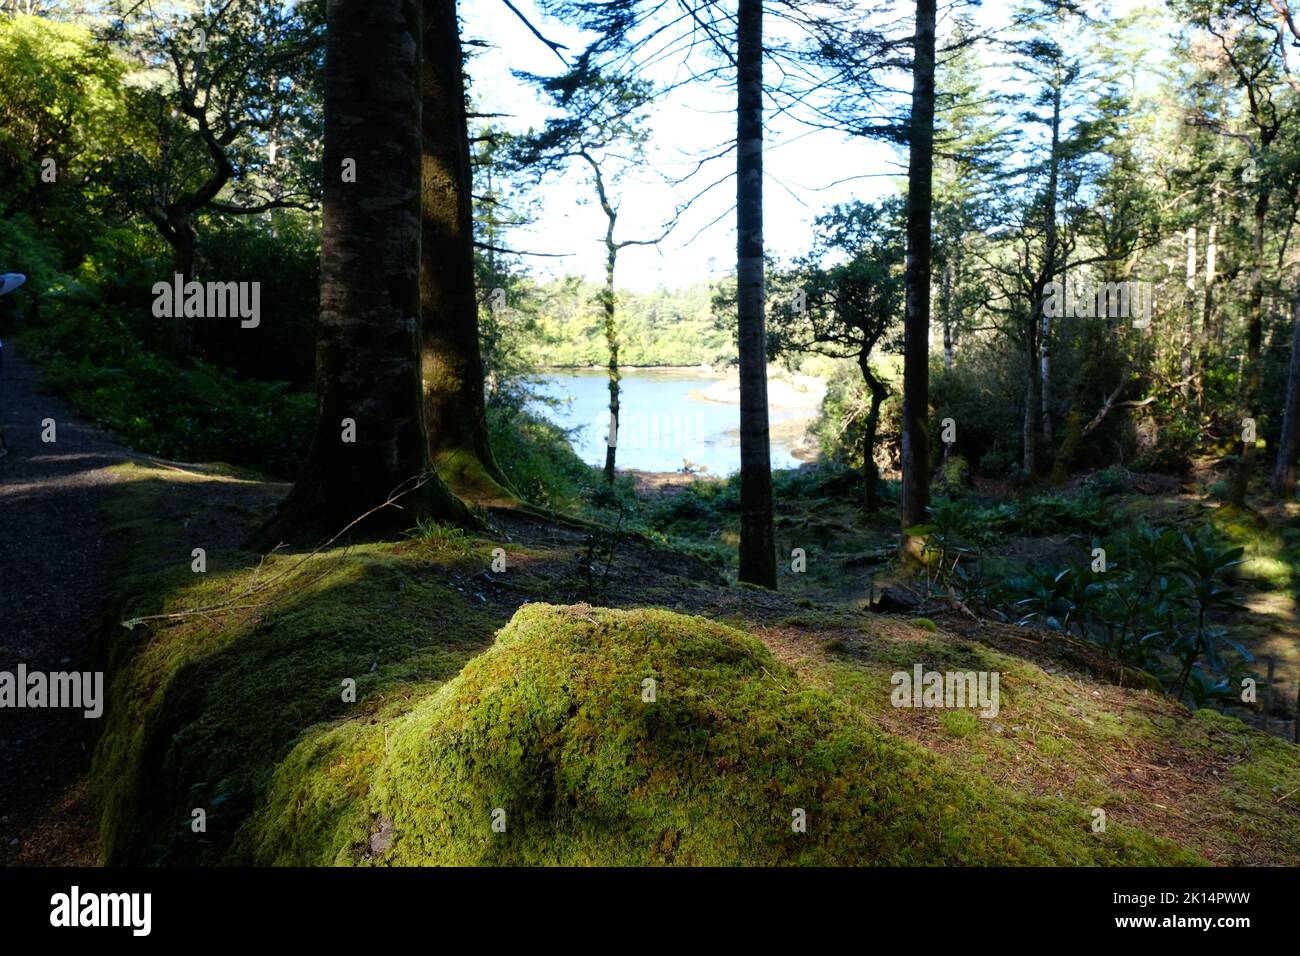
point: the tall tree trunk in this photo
(1241, 474)
(1211, 277)
(452, 366)
(1189, 318)
(1045, 380)
(367, 359)
(1044, 383)
(945, 311)
(1033, 402)
(611, 340)
(1288, 445)
(757, 540)
(915, 489)
(1207, 308)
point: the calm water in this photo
(661, 424)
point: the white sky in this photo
(800, 165)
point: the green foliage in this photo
(1109, 481)
(1156, 600)
(1061, 514)
(656, 328)
(59, 99)
(700, 501)
(194, 412)
(536, 456)
(30, 250)
(1177, 442)
(441, 536)
(982, 394)
(283, 256)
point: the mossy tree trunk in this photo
(611, 339)
(454, 404)
(757, 539)
(915, 489)
(367, 359)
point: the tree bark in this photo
(1288, 446)
(367, 360)
(945, 311)
(1033, 401)
(915, 490)
(1240, 481)
(870, 473)
(611, 342)
(454, 404)
(757, 540)
(1044, 383)
(1211, 276)
(180, 233)
(1189, 319)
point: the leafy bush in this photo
(1061, 514)
(1156, 602)
(286, 264)
(536, 456)
(195, 412)
(1176, 444)
(698, 501)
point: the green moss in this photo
(925, 624)
(465, 475)
(203, 707)
(959, 723)
(550, 726)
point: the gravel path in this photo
(52, 585)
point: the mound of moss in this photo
(553, 747)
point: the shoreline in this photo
(708, 370)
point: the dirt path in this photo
(52, 585)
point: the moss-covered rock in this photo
(550, 735)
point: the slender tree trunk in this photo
(370, 439)
(945, 310)
(1207, 311)
(871, 474)
(1211, 277)
(1288, 446)
(1045, 377)
(1241, 474)
(1044, 383)
(452, 366)
(757, 540)
(1033, 405)
(1189, 319)
(611, 340)
(915, 491)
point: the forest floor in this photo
(1075, 730)
(228, 704)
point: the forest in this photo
(632, 433)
